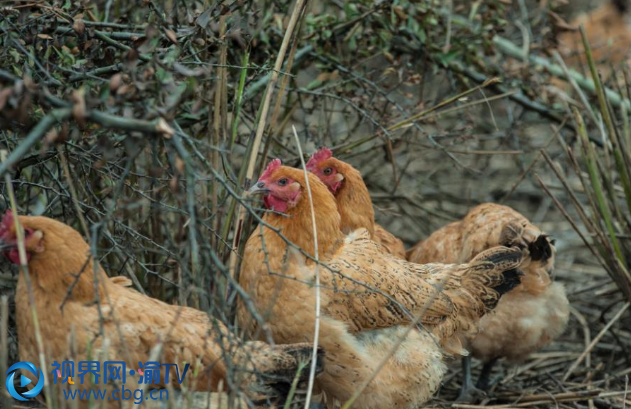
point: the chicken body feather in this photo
(608, 34)
(526, 319)
(353, 199)
(125, 325)
(365, 290)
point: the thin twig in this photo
(24, 269)
(4, 346)
(34, 136)
(316, 272)
(510, 49)
(260, 129)
(595, 341)
(73, 192)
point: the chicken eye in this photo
(328, 171)
(282, 182)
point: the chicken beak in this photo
(259, 188)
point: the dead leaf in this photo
(165, 129)
(398, 10)
(51, 136)
(156, 171)
(115, 82)
(78, 26)
(79, 109)
(45, 36)
(132, 57)
(4, 96)
(125, 89)
(99, 164)
(389, 71)
(173, 184)
(328, 76)
(171, 35)
(561, 23)
(180, 166)
(64, 132)
(29, 83)
(148, 73)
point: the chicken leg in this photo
(483, 383)
(468, 392)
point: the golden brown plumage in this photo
(529, 317)
(63, 281)
(393, 244)
(468, 290)
(354, 313)
(121, 280)
(353, 199)
(609, 35)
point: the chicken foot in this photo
(469, 393)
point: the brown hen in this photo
(353, 199)
(609, 36)
(72, 294)
(368, 295)
(526, 319)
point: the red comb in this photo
(319, 156)
(6, 223)
(271, 167)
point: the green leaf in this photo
(350, 9)
(446, 58)
(264, 37)
(352, 44)
(314, 84)
(15, 54)
(422, 37)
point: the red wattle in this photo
(335, 186)
(14, 256)
(275, 204)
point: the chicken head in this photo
(326, 168)
(33, 239)
(280, 192)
